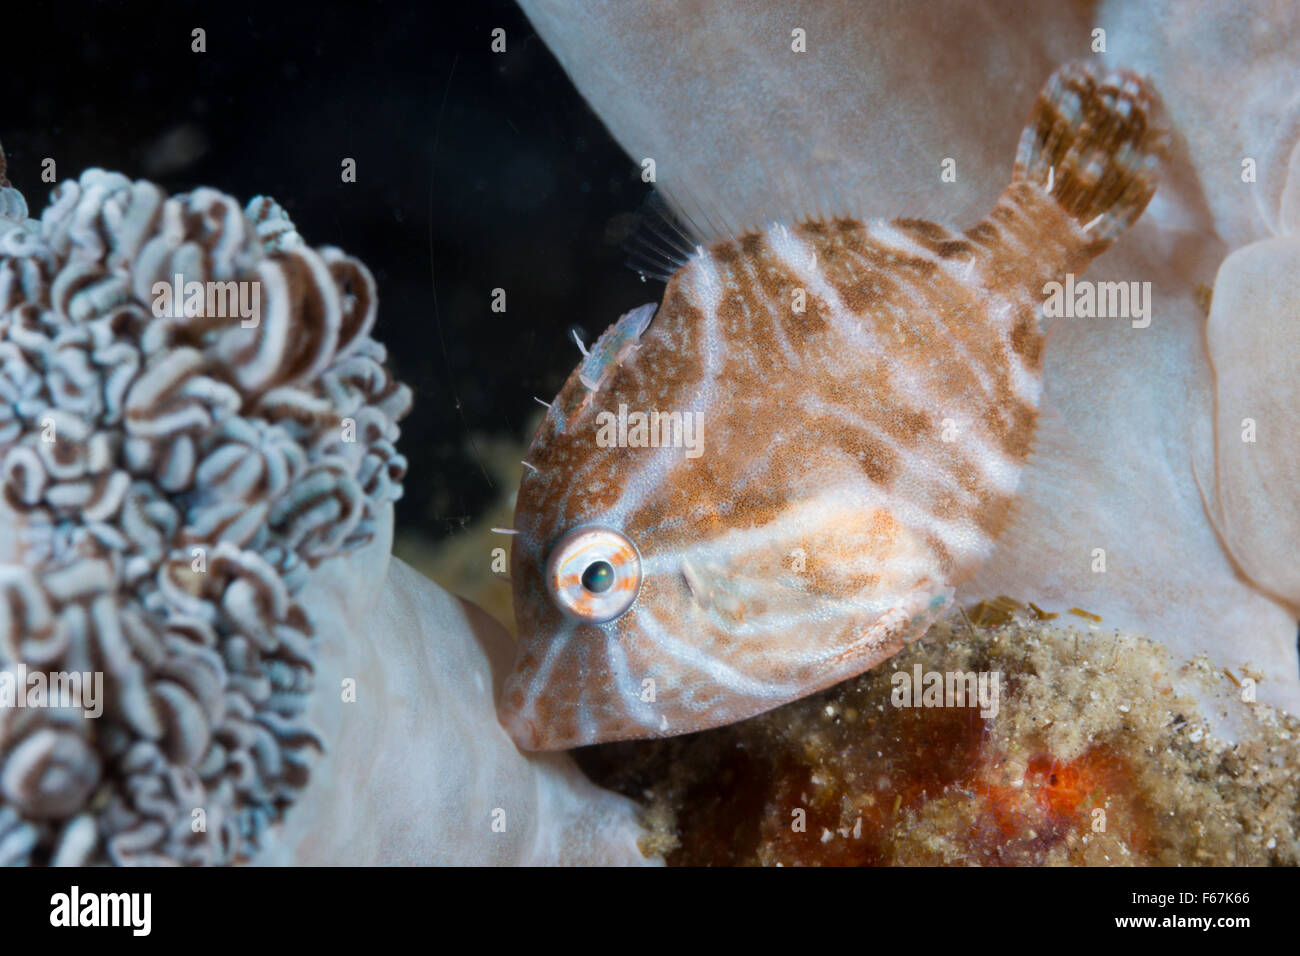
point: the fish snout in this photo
(523, 731)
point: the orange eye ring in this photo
(593, 574)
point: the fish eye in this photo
(598, 577)
(594, 573)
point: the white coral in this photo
(174, 479)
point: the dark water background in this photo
(475, 170)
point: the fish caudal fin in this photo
(1094, 143)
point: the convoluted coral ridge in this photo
(1098, 754)
(169, 480)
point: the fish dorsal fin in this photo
(662, 240)
(666, 236)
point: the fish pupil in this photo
(598, 577)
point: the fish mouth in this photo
(530, 729)
(519, 728)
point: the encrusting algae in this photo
(1096, 753)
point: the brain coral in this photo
(169, 482)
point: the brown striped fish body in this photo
(834, 420)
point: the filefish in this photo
(866, 394)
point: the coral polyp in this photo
(171, 472)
